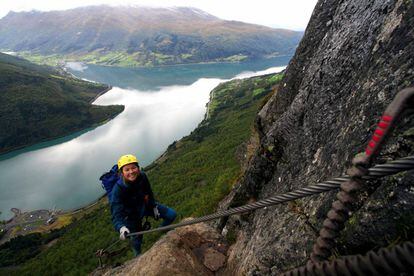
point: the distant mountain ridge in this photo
(141, 36)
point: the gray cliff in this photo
(354, 57)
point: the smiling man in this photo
(132, 199)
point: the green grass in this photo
(119, 58)
(258, 91)
(275, 79)
(162, 59)
(50, 60)
(186, 56)
(235, 58)
(193, 176)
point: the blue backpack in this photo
(108, 181)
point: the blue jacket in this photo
(129, 201)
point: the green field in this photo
(120, 58)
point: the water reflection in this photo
(156, 77)
(66, 175)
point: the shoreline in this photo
(108, 88)
(187, 63)
(176, 64)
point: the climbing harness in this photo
(350, 186)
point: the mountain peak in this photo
(141, 35)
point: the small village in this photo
(23, 223)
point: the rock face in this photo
(190, 250)
(355, 56)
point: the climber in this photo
(132, 199)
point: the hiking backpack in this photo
(108, 181)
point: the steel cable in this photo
(387, 261)
(350, 191)
(375, 172)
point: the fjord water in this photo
(161, 106)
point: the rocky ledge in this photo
(191, 250)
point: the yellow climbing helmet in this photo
(126, 159)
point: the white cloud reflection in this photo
(66, 175)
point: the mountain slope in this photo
(36, 104)
(193, 175)
(354, 58)
(140, 36)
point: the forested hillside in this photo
(193, 175)
(38, 103)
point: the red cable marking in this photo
(387, 118)
(378, 133)
(376, 138)
(383, 124)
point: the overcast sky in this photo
(290, 14)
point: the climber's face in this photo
(130, 172)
